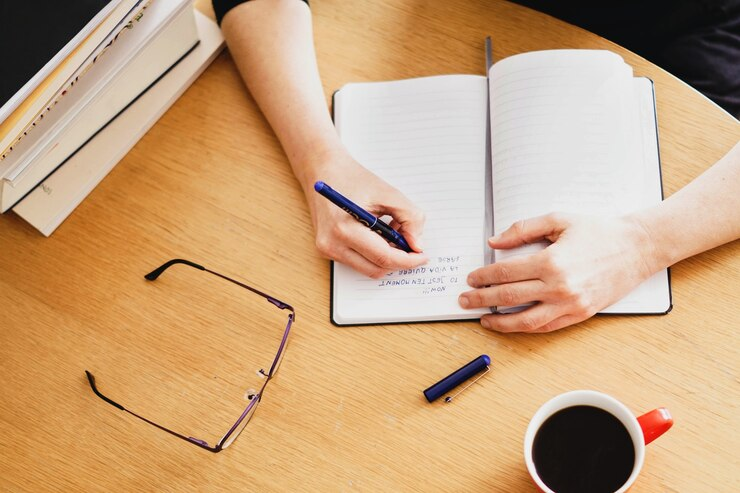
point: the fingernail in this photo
(464, 301)
(470, 281)
(494, 239)
(485, 323)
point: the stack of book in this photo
(83, 93)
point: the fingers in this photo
(534, 319)
(507, 271)
(560, 322)
(538, 319)
(511, 294)
(407, 218)
(379, 252)
(402, 210)
(414, 239)
(412, 232)
(359, 263)
(357, 246)
(529, 231)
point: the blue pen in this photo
(363, 216)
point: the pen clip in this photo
(450, 397)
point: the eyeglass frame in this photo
(254, 398)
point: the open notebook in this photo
(570, 131)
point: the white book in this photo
(47, 206)
(95, 30)
(169, 30)
(571, 131)
(32, 100)
(96, 74)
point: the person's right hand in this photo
(343, 239)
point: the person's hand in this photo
(590, 264)
(340, 237)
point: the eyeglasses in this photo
(254, 397)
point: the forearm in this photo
(271, 42)
(701, 216)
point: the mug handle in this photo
(655, 423)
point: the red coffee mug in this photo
(642, 430)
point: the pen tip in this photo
(318, 186)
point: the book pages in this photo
(427, 138)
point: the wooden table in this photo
(210, 183)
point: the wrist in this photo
(654, 248)
(320, 163)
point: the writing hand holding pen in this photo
(363, 217)
(342, 238)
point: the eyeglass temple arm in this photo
(193, 440)
(153, 275)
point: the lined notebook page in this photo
(566, 136)
(427, 138)
(557, 139)
(653, 295)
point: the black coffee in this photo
(583, 449)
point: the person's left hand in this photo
(590, 264)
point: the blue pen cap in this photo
(456, 378)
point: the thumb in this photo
(531, 230)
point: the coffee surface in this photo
(583, 449)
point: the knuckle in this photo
(342, 230)
(581, 306)
(529, 323)
(564, 291)
(508, 296)
(324, 246)
(502, 274)
(545, 328)
(551, 266)
(567, 291)
(548, 327)
(382, 260)
(518, 227)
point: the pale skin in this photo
(271, 42)
(594, 262)
(590, 263)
